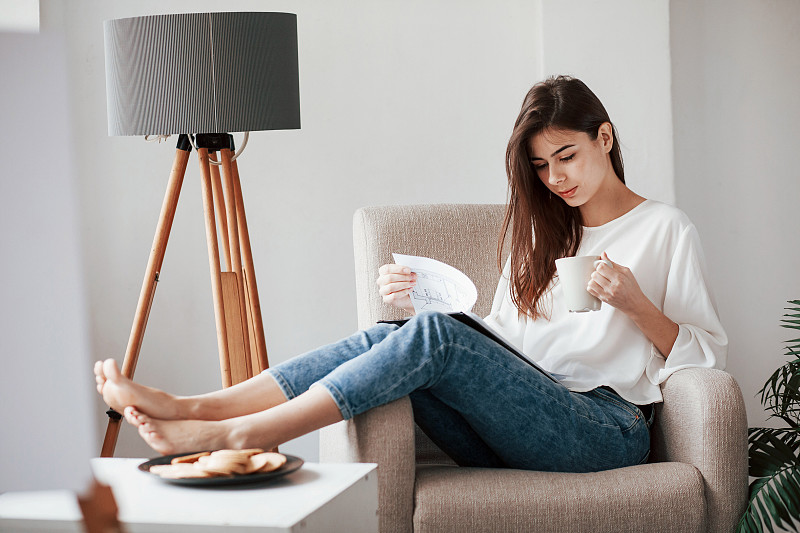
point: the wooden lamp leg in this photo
(242, 359)
(216, 275)
(222, 215)
(258, 348)
(148, 291)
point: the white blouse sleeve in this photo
(689, 302)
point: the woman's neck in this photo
(609, 203)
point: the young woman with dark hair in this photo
(474, 399)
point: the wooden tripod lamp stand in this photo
(202, 76)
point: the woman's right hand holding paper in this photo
(395, 283)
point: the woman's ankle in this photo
(239, 435)
(200, 408)
(187, 408)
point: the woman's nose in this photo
(556, 177)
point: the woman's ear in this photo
(605, 134)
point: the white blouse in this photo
(662, 248)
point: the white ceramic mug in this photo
(573, 275)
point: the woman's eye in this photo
(539, 166)
(568, 158)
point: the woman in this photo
(478, 402)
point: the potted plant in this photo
(774, 462)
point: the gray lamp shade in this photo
(202, 73)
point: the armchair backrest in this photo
(462, 235)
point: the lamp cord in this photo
(156, 138)
(159, 138)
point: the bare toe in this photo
(111, 370)
(144, 421)
(146, 433)
(133, 417)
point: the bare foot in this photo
(178, 436)
(119, 392)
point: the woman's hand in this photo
(617, 286)
(395, 283)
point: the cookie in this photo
(249, 452)
(189, 458)
(180, 471)
(268, 461)
(238, 454)
(226, 462)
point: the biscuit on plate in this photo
(268, 461)
(180, 471)
(226, 464)
(189, 458)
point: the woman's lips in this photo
(570, 193)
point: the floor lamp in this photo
(202, 76)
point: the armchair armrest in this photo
(384, 435)
(703, 422)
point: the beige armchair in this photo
(697, 476)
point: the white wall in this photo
(736, 71)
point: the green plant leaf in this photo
(748, 524)
(781, 393)
(777, 445)
(776, 500)
(764, 513)
(793, 493)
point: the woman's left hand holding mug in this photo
(616, 285)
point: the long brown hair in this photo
(543, 227)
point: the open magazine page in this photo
(441, 287)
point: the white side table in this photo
(324, 497)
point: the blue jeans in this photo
(477, 401)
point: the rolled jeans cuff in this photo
(338, 397)
(335, 393)
(283, 384)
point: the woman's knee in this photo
(434, 324)
(433, 318)
(377, 333)
(381, 329)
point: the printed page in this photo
(440, 287)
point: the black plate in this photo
(292, 463)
